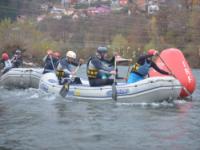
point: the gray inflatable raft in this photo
(154, 89)
(21, 78)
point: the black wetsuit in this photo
(102, 67)
(50, 64)
(147, 58)
(17, 61)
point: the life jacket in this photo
(141, 69)
(60, 73)
(92, 72)
(7, 64)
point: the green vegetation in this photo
(26, 37)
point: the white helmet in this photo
(71, 54)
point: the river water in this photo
(32, 120)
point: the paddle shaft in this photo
(65, 88)
(127, 75)
(184, 88)
(77, 68)
(115, 67)
(114, 89)
(52, 62)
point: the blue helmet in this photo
(102, 49)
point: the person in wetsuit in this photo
(7, 65)
(56, 58)
(17, 59)
(49, 62)
(140, 69)
(65, 69)
(99, 69)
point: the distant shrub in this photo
(26, 37)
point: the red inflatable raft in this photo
(173, 60)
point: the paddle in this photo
(114, 89)
(52, 63)
(30, 64)
(184, 88)
(65, 88)
(128, 72)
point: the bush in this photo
(26, 37)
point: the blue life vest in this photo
(144, 69)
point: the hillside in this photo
(129, 30)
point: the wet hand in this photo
(113, 72)
(30, 64)
(118, 58)
(125, 79)
(73, 73)
(156, 53)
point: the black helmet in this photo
(102, 49)
(18, 51)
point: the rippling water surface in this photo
(31, 120)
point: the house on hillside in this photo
(82, 1)
(123, 2)
(150, 6)
(21, 18)
(193, 4)
(100, 10)
(58, 10)
(142, 4)
(153, 7)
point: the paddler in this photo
(140, 69)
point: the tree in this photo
(119, 43)
(153, 33)
(13, 8)
(8, 9)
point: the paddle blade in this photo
(64, 90)
(114, 92)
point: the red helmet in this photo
(5, 56)
(152, 52)
(49, 52)
(56, 54)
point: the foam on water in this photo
(154, 104)
(28, 94)
(38, 94)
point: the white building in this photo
(153, 7)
